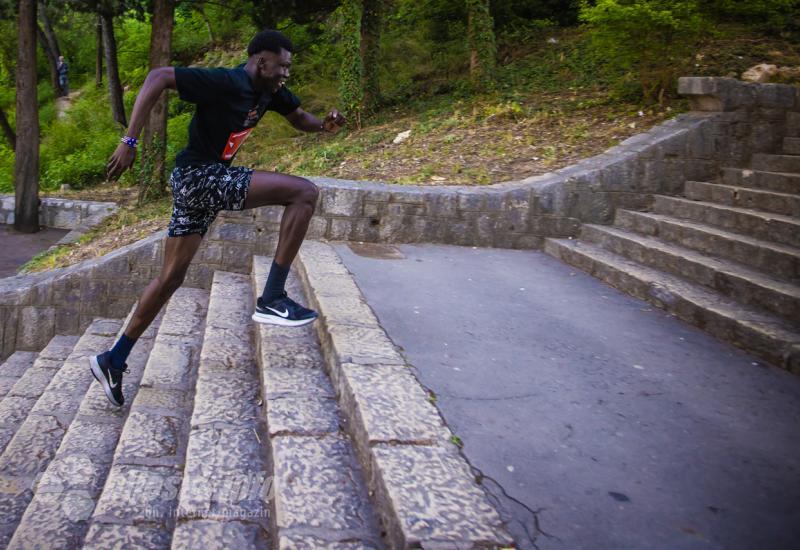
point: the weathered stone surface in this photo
(363, 345)
(6, 383)
(315, 486)
(170, 364)
(296, 383)
(291, 354)
(186, 311)
(150, 436)
(163, 400)
(391, 404)
(194, 534)
(32, 448)
(295, 542)
(119, 537)
(434, 497)
(225, 398)
(13, 411)
(58, 348)
(302, 416)
(37, 327)
(18, 363)
(92, 438)
(135, 492)
(225, 472)
(64, 515)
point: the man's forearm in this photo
(153, 85)
(309, 123)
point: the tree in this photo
(112, 69)
(482, 45)
(47, 37)
(371, 21)
(352, 69)
(26, 165)
(152, 182)
(8, 131)
(98, 60)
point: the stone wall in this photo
(79, 216)
(730, 122)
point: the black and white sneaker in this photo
(109, 377)
(283, 311)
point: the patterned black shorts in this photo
(200, 192)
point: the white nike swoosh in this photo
(284, 313)
(111, 384)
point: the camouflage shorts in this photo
(200, 192)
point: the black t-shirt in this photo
(228, 108)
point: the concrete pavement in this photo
(597, 420)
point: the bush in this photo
(765, 13)
(647, 43)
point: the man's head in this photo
(270, 56)
(61, 58)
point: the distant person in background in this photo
(63, 81)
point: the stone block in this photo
(306, 416)
(316, 486)
(222, 397)
(133, 491)
(197, 533)
(363, 345)
(102, 536)
(151, 436)
(237, 257)
(432, 496)
(37, 327)
(341, 202)
(339, 229)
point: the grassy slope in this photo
(546, 113)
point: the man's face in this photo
(273, 69)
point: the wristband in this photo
(129, 141)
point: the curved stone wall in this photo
(730, 121)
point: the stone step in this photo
(781, 260)
(756, 332)
(145, 470)
(776, 163)
(791, 146)
(22, 396)
(739, 282)
(423, 491)
(768, 181)
(761, 225)
(786, 204)
(67, 492)
(320, 496)
(13, 368)
(33, 446)
(225, 485)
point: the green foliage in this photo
(483, 47)
(769, 13)
(644, 43)
(352, 70)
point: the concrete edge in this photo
(58, 213)
(397, 464)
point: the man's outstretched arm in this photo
(306, 122)
(156, 82)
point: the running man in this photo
(230, 103)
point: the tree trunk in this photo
(112, 71)
(98, 60)
(26, 163)
(8, 130)
(352, 69)
(482, 45)
(152, 182)
(370, 51)
(52, 60)
(52, 42)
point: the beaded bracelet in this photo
(130, 141)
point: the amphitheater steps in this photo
(320, 495)
(33, 380)
(146, 465)
(725, 256)
(35, 443)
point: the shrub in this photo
(645, 42)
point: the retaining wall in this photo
(79, 216)
(730, 121)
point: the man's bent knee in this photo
(172, 282)
(310, 193)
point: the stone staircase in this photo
(725, 256)
(235, 434)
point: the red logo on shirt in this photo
(235, 141)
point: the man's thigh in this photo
(270, 188)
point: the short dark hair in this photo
(269, 40)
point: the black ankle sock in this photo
(120, 352)
(275, 282)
